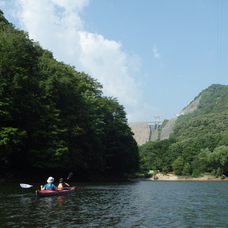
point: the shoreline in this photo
(173, 177)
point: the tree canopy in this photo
(54, 117)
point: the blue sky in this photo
(154, 56)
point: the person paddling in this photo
(62, 184)
(49, 185)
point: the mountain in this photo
(196, 140)
(209, 106)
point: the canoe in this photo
(64, 191)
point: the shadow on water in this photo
(138, 204)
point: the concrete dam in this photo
(146, 131)
(151, 130)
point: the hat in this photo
(50, 180)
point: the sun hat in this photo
(50, 180)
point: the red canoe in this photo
(62, 192)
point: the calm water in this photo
(137, 204)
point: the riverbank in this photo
(173, 177)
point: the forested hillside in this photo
(199, 142)
(55, 118)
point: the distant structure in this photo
(153, 128)
(146, 131)
(151, 131)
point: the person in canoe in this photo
(62, 184)
(49, 185)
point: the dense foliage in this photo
(199, 142)
(53, 117)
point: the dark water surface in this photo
(136, 204)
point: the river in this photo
(121, 205)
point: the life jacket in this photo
(63, 184)
(50, 186)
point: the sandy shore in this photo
(173, 177)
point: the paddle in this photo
(26, 185)
(69, 176)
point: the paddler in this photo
(62, 184)
(49, 185)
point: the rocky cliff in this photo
(168, 128)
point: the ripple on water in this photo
(138, 204)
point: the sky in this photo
(154, 56)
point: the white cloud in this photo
(105, 60)
(156, 53)
(58, 27)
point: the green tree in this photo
(121, 151)
(178, 165)
(19, 91)
(55, 117)
(218, 159)
(200, 162)
(187, 170)
(156, 155)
